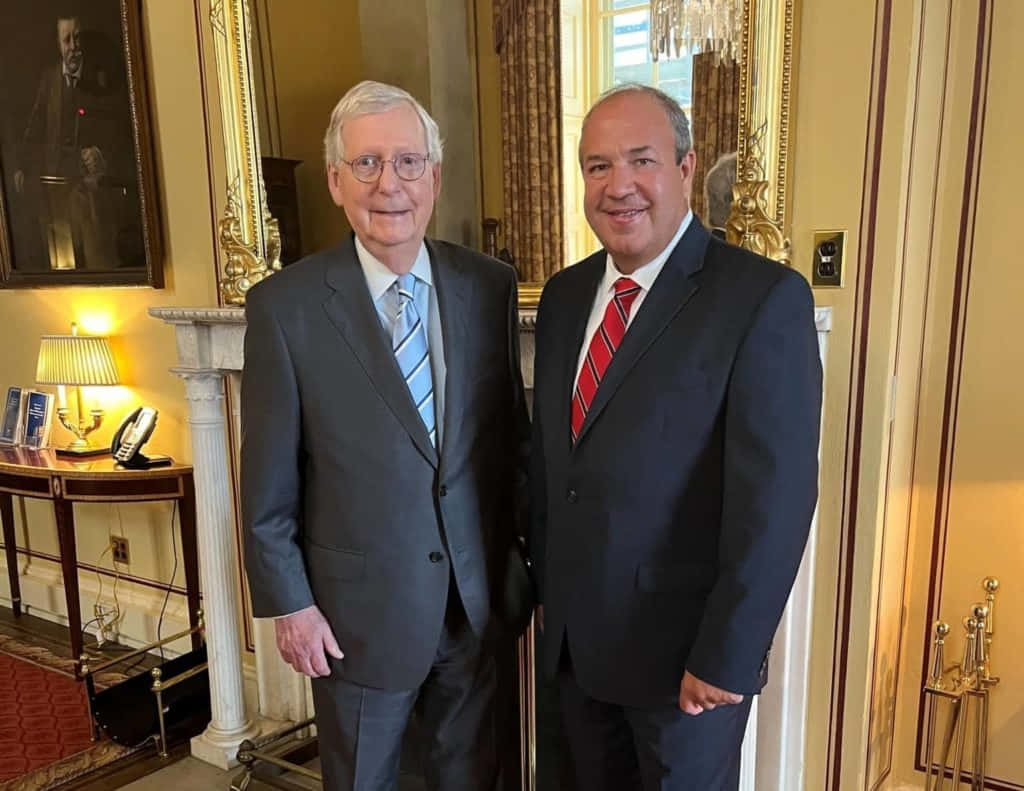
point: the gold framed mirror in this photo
(249, 236)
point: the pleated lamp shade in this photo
(75, 360)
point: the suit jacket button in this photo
(443, 491)
(435, 557)
(571, 496)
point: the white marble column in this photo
(210, 357)
(218, 565)
(284, 695)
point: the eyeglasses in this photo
(368, 167)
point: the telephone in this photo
(130, 438)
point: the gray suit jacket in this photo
(345, 502)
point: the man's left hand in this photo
(696, 696)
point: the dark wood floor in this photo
(35, 631)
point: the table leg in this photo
(69, 570)
(11, 550)
(190, 552)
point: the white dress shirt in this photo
(643, 277)
(379, 280)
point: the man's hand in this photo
(696, 696)
(302, 639)
(19, 180)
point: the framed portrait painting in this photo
(77, 188)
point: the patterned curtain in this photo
(716, 101)
(526, 36)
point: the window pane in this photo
(616, 5)
(630, 61)
(674, 78)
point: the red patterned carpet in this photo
(44, 721)
(44, 717)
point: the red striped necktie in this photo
(602, 347)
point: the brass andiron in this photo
(966, 690)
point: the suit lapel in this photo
(350, 309)
(454, 290)
(673, 288)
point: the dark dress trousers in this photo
(347, 505)
(668, 537)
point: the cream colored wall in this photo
(971, 525)
(843, 121)
(889, 349)
(317, 55)
(827, 153)
(144, 347)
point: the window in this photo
(622, 45)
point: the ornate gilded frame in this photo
(249, 236)
(137, 108)
(250, 239)
(759, 218)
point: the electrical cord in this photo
(167, 594)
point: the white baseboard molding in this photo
(42, 595)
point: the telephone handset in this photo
(130, 438)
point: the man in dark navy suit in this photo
(676, 407)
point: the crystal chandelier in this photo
(696, 26)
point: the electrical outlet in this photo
(827, 259)
(119, 548)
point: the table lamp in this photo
(77, 360)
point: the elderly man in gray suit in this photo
(383, 423)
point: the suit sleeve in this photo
(271, 474)
(537, 536)
(772, 419)
(520, 415)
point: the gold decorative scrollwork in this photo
(243, 267)
(249, 236)
(756, 220)
(749, 224)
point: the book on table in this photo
(38, 419)
(13, 416)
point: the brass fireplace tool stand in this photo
(965, 688)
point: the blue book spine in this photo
(12, 417)
(37, 419)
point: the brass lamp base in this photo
(79, 447)
(82, 452)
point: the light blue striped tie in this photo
(409, 338)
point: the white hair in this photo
(367, 98)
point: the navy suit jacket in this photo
(668, 538)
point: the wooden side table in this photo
(45, 476)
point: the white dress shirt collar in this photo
(71, 76)
(648, 273)
(379, 278)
